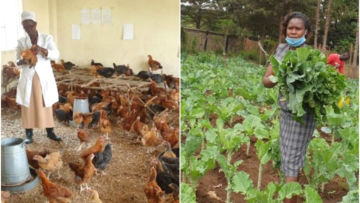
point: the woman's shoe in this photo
(29, 134)
(51, 134)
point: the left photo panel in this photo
(90, 101)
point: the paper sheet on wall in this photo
(106, 15)
(95, 16)
(128, 33)
(85, 16)
(75, 31)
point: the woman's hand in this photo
(266, 80)
(37, 49)
(22, 62)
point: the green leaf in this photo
(187, 193)
(289, 189)
(303, 53)
(192, 143)
(311, 195)
(241, 182)
(351, 196)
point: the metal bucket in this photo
(14, 163)
(80, 105)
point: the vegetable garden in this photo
(230, 138)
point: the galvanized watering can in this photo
(14, 163)
(16, 176)
(80, 105)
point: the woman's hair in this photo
(298, 15)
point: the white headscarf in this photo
(26, 15)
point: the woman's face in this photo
(29, 26)
(296, 28)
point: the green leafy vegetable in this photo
(307, 82)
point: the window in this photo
(10, 24)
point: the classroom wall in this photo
(156, 32)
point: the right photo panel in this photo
(269, 101)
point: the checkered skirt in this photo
(294, 140)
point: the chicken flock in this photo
(143, 116)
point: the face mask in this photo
(295, 42)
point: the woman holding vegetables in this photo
(294, 136)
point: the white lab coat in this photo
(42, 68)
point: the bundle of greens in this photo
(308, 82)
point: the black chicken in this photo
(123, 69)
(164, 179)
(96, 119)
(62, 99)
(96, 64)
(94, 99)
(157, 78)
(102, 159)
(155, 108)
(144, 74)
(63, 116)
(106, 72)
(68, 65)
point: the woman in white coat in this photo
(37, 90)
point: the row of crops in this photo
(224, 105)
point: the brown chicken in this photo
(5, 195)
(100, 106)
(70, 97)
(10, 70)
(94, 68)
(150, 138)
(152, 190)
(78, 118)
(154, 65)
(137, 126)
(123, 100)
(83, 137)
(84, 172)
(172, 82)
(160, 120)
(8, 101)
(88, 118)
(94, 198)
(174, 95)
(128, 120)
(54, 192)
(170, 104)
(58, 67)
(105, 125)
(171, 135)
(30, 157)
(67, 107)
(51, 162)
(168, 153)
(114, 104)
(96, 148)
(29, 56)
(122, 111)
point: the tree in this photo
(356, 46)
(327, 24)
(317, 22)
